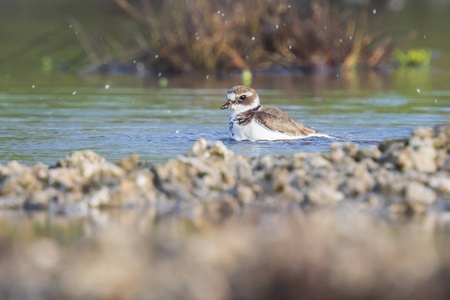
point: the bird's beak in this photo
(230, 97)
(226, 105)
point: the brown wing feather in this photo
(276, 119)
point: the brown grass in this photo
(200, 35)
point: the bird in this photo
(249, 120)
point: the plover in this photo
(251, 121)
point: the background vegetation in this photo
(180, 36)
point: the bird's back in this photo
(277, 120)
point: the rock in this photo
(353, 187)
(241, 168)
(221, 208)
(391, 149)
(337, 155)
(440, 183)
(129, 164)
(324, 192)
(80, 159)
(177, 173)
(441, 157)
(98, 198)
(199, 148)
(339, 150)
(63, 178)
(350, 149)
(263, 163)
(245, 194)
(281, 185)
(90, 164)
(318, 161)
(218, 150)
(446, 165)
(18, 179)
(423, 133)
(423, 159)
(370, 153)
(419, 196)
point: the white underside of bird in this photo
(255, 131)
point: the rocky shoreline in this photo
(406, 176)
(236, 227)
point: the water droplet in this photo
(74, 92)
(419, 90)
(156, 56)
(284, 24)
(276, 26)
(134, 61)
(33, 86)
(290, 47)
(159, 74)
(351, 38)
(177, 131)
(196, 33)
(106, 86)
(289, 6)
(70, 26)
(197, 38)
(425, 36)
(223, 15)
(325, 27)
(435, 100)
(246, 57)
(340, 40)
(76, 32)
(337, 75)
(374, 11)
(253, 38)
(207, 76)
(218, 12)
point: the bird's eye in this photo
(242, 97)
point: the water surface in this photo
(45, 118)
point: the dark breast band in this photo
(246, 117)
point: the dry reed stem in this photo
(131, 10)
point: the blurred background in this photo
(179, 37)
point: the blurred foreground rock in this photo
(323, 254)
(403, 176)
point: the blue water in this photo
(56, 117)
